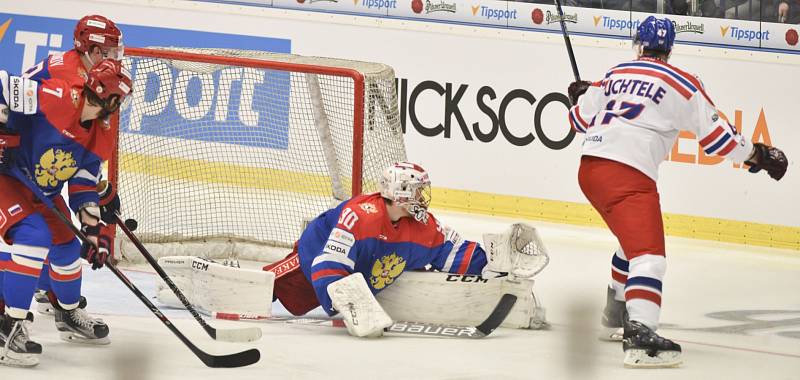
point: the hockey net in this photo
(226, 153)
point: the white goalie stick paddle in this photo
(495, 319)
(247, 334)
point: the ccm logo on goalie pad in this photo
(200, 266)
(465, 278)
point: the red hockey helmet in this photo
(110, 82)
(97, 30)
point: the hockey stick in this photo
(495, 319)
(247, 334)
(239, 359)
(567, 41)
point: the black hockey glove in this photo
(96, 256)
(768, 158)
(109, 202)
(576, 89)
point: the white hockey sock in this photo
(643, 289)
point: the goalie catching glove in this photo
(518, 252)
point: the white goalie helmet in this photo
(408, 185)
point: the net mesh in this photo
(223, 152)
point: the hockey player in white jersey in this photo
(631, 119)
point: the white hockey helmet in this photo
(408, 185)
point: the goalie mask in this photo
(409, 186)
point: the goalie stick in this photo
(247, 334)
(491, 323)
(239, 359)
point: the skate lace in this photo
(82, 318)
(19, 332)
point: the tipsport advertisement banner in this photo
(496, 13)
(358, 7)
(585, 21)
(165, 93)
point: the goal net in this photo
(223, 153)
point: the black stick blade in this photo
(239, 359)
(498, 315)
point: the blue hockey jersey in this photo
(358, 236)
(54, 148)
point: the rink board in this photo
(484, 110)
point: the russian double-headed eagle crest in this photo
(55, 166)
(386, 270)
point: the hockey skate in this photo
(79, 327)
(45, 307)
(614, 316)
(646, 349)
(16, 348)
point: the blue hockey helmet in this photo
(655, 34)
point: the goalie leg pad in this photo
(291, 286)
(363, 315)
(447, 298)
(215, 288)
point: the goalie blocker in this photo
(431, 297)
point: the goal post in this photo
(225, 153)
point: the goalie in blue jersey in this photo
(351, 252)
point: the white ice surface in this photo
(702, 277)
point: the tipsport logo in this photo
(617, 24)
(494, 13)
(740, 34)
(377, 4)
